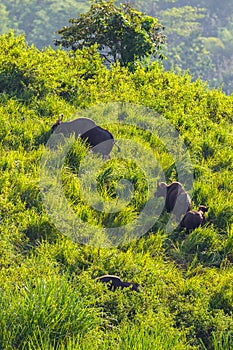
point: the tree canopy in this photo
(122, 33)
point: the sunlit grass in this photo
(52, 249)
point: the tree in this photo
(186, 49)
(121, 33)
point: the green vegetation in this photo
(38, 19)
(121, 33)
(199, 37)
(199, 33)
(49, 299)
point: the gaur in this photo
(193, 219)
(115, 282)
(99, 139)
(177, 199)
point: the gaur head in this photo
(203, 208)
(161, 189)
(58, 122)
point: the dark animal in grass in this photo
(177, 200)
(193, 219)
(100, 140)
(115, 282)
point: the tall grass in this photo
(49, 297)
(42, 310)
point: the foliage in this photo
(121, 33)
(199, 35)
(38, 19)
(49, 296)
(194, 37)
(24, 79)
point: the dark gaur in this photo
(99, 139)
(177, 199)
(115, 282)
(193, 219)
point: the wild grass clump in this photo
(44, 311)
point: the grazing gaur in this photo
(115, 282)
(177, 199)
(193, 219)
(99, 139)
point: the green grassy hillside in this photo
(49, 297)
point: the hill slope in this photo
(48, 293)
